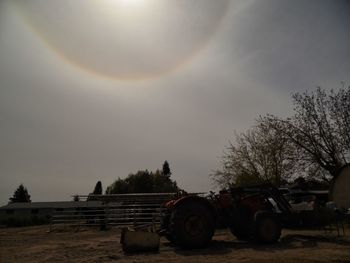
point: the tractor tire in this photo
(241, 224)
(192, 225)
(242, 234)
(267, 227)
(169, 237)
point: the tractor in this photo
(254, 213)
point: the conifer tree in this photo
(20, 195)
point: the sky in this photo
(95, 90)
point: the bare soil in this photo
(36, 244)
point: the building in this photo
(340, 188)
(38, 212)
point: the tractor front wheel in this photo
(192, 225)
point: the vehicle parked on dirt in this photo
(190, 220)
(255, 213)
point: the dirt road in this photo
(35, 244)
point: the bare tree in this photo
(262, 154)
(319, 128)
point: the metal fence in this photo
(113, 210)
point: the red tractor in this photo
(254, 213)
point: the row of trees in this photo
(314, 142)
(145, 182)
(141, 182)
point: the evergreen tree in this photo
(166, 169)
(98, 189)
(20, 195)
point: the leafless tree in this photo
(319, 128)
(262, 154)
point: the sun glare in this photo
(131, 2)
(126, 3)
(128, 9)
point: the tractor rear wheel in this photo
(267, 228)
(192, 225)
(241, 233)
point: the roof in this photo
(42, 205)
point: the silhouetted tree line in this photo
(141, 182)
(145, 182)
(313, 143)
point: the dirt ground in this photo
(36, 244)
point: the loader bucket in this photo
(139, 241)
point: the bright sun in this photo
(130, 2)
(126, 3)
(128, 9)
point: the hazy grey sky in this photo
(93, 90)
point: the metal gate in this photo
(113, 210)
